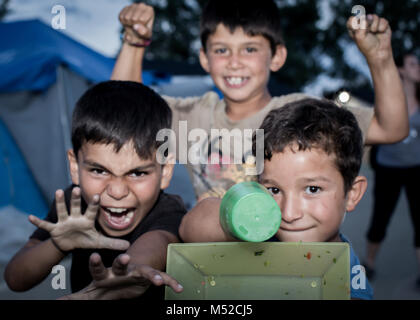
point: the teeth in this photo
(128, 217)
(235, 80)
(116, 210)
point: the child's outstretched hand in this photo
(137, 20)
(77, 230)
(122, 281)
(372, 35)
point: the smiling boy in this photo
(242, 44)
(313, 152)
(240, 67)
(116, 202)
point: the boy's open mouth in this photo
(236, 81)
(118, 218)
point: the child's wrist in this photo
(382, 67)
(58, 247)
(386, 60)
(138, 44)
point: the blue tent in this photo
(18, 186)
(31, 52)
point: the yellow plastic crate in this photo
(259, 271)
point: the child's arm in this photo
(390, 122)
(35, 260)
(137, 20)
(202, 224)
(32, 264)
(131, 274)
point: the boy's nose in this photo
(235, 61)
(117, 189)
(290, 209)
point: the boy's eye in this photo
(220, 50)
(250, 49)
(137, 174)
(273, 190)
(312, 189)
(98, 171)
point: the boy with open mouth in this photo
(116, 202)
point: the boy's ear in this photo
(74, 167)
(401, 72)
(279, 58)
(204, 61)
(355, 194)
(167, 171)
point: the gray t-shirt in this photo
(208, 112)
(406, 153)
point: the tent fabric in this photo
(11, 218)
(18, 187)
(40, 124)
(15, 230)
(31, 51)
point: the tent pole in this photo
(64, 118)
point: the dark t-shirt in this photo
(165, 215)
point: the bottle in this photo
(248, 212)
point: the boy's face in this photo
(411, 68)
(240, 64)
(309, 190)
(128, 185)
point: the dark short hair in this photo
(314, 123)
(254, 17)
(117, 112)
(400, 57)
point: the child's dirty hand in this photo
(122, 281)
(372, 35)
(137, 20)
(77, 230)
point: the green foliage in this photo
(403, 17)
(176, 29)
(298, 23)
(176, 34)
(3, 8)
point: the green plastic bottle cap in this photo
(248, 212)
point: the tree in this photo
(3, 8)
(176, 30)
(310, 44)
(403, 17)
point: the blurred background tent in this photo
(43, 73)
